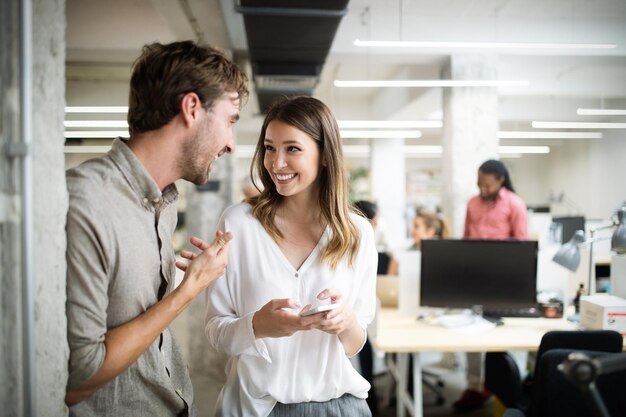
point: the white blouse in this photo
(307, 366)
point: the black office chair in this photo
(554, 396)
(502, 376)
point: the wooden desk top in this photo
(401, 333)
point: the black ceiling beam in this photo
(288, 42)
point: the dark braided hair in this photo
(497, 168)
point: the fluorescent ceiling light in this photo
(523, 149)
(577, 125)
(601, 112)
(86, 149)
(388, 124)
(247, 151)
(97, 134)
(430, 83)
(502, 134)
(96, 109)
(379, 134)
(482, 45)
(96, 123)
(413, 151)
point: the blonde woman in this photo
(297, 245)
(428, 225)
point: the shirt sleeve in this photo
(519, 219)
(87, 300)
(226, 331)
(365, 305)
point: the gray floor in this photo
(454, 384)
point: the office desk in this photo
(404, 335)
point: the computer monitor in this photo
(496, 274)
(570, 225)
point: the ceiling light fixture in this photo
(96, 109)
(380, 134)
(430, 83)
(102, 134)
(503, 134)
(96, 123)
(577, 125)
(601, 112)
(388, 124)
(482, 45)
(355, 151)
(410, 151)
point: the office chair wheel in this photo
(440, 401)
(440, 384)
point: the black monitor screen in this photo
(496, 274)
(570, 225)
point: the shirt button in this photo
(156, 200)
(145, 200)
(296, 275)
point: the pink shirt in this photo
(504, 218)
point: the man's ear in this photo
(190, 106)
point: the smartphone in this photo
(320, 309)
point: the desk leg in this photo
(418, 401)
(399, 370)
(401, 387)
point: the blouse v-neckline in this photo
(312, 256)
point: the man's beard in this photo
(193, 162)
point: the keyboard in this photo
(513, 312)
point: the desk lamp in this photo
(568, 255)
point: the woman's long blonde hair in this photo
(314, 118)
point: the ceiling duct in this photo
(288, 43)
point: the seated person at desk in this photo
(428, 225)
(497, 212)
(387, 264)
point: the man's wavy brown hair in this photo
(163, 74)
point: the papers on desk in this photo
(465, 323)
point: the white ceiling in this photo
(103, 37)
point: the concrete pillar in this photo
(204, 207)
(388, 188)
(49, 207)
(11, 396)
(470, 124)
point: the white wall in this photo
(607, 174)
(590, 173)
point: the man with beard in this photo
(121, 294)
(495, 213)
